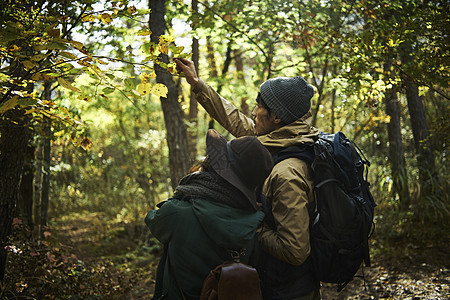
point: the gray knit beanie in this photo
(288, 97)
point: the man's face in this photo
(264, 123)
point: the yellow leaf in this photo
(86, 143)
(14, 48)
(160, 90)
(144, 88)
(131, 10)
(101, 61)
(178, 50)
(67, 85)
(76, 45)
(7, 105)
(41, 76)
(163, 48)
(144, 77)
(172, 68)
(85, 98)
(165, 38)
(144, 32)
(87, 18)
(32, 110)
(105, 18)
(29, 64)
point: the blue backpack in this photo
(342, 217)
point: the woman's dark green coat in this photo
(197, 234)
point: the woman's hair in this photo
(202, 165)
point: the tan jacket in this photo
(288, 188)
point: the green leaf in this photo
(9, 104)
(24, 102)
(108, 90)
(128, 83)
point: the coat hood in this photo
(296, 133)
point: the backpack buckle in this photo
(236, 254)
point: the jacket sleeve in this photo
(160, 222)
(223, 111)
(289, 190)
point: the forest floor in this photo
(90, 257)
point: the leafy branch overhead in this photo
(39, 45)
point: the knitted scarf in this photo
(210, 186)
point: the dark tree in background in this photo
(179, 160)
(13, 145)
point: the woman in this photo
(212, 213)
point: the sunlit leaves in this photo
(160, 90)
(105, 18)
(88, 18)
(144, 88)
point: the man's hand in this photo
(188, 68)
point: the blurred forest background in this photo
(96, 126)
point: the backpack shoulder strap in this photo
(304, 152)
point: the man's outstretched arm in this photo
(220, 109)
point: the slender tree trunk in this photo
(37, 191)
(14, 138)
(333, 114)
(211, 60)
(179, 161)
(425, 157)
(193, 106)
(46, 162)
(212, 69)
(46, 174)
(240, 71)
(396, 153)
(319, 87)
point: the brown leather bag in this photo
(232, 280)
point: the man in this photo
(280, 121)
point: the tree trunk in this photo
(179, 161)
(25, 201)
(211, 60)
(37, 191)
(46, 175)
(396, 154)
(193, 106)
(425, 157)
(212, 69)
(245, 109)
(13, 143)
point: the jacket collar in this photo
(295, 133)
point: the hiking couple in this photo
(215, 210)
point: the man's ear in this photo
(275, 119)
